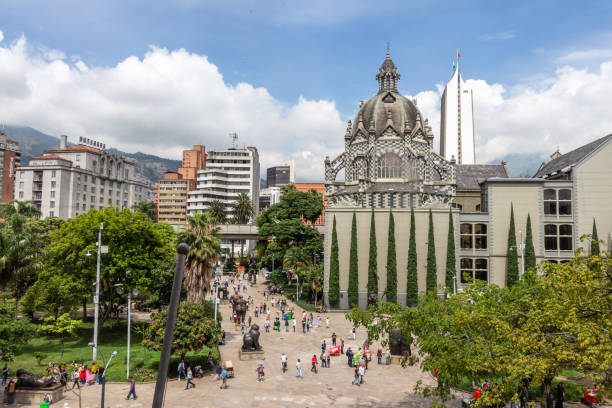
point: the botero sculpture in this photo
(399, 343)
(250, 341)
(239, 304)
(26, 379)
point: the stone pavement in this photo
(385, 386)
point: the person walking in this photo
(5, 371)
(323, 346)
(349, 357)
(283, 362)
(75, 378)
(303, 325)
(327, 322)
(223, 379)
(361, 373)
(267, 325)
(298, 369)
(218, 371)
(327, 364)
(286, 325)
(356, 377)
(308, 325)
(318, 321)
(388, 356)
(10, 391)
(189, 377)
(334, 339)
(354, 332)
(314, 363)
(132, 389)
(294, 325)
(260, 372)
(379, 356)
(341, 346)
(323, 360)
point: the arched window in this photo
(389, 165)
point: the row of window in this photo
(557, 237)
(478, 269)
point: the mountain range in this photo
(33, 143)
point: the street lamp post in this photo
(129, 322)
(97, 296)
(216, 299)
(92, 344)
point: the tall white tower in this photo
(457, 121)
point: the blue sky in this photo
(306, 62)
(323, 49)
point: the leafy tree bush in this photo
(62, 327)
(594, 240)
(14, 331)
(391, 289)
(451, 259)
(412, 285)
(372, 261)
(530, 257)
(512, 271)
(432, 276)
(353, 288)
(334, 269)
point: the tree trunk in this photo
(62, 352)
(241, 249)
(233, 249)
(84, 309)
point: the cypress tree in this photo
(451, 260)
(530, 258)
(594, 240)
(391, 289)
(372, 264)
(353, 288)
(334, 269)
(412, 284)
(512, 272)
(432, 280)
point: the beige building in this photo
(172, 199)
(390, 166)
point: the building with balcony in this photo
(10, 157)
(172, 200)
(70, 180)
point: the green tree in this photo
(334, 269)
(148, 208)
(217, 212)
(594, 240)
(15, 332)
(530, 257)
(391, 289)
(135, 247)
(243, 209)
(195, 329)
(412, 284)
(451, 259)
(204, 250)
(62, 327)
(20, 256)
(432, 277)
(512, 271)
(372, 261)
(26, 208)
(353, 287)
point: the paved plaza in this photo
(384, 386)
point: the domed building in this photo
(388, 159)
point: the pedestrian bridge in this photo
(246, 232)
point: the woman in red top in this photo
(314, 363)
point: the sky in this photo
(160, 76)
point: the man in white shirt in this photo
(361, 374)
(284, 362)
(298, 369)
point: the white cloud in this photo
(586, 55)
(501, 36)
(572, 108)
(162, 103)
(1, 36)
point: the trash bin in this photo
(44, 405)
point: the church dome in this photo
(388, 106)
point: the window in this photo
(557, 201)
(101, 200)
(53, 173)
(52, 194)
(21, 194)
(53, 184)
(389, 165)
(84, 208)
(78, 157)
(93, 190)
(21, 184)
(558, 237)
(110, 201)
(93, 199)
(474, 268)
(84, 187)
(51, 213)
(51, 204)
(473, 236)
(101, 191)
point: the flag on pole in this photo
(458, 55)
(454, 67)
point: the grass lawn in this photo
(112, 337)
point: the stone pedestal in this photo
(396, 359)
(251, 355)
(34, 396)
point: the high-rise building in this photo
(193, 160)
(70, 180)
(10, 157)
(172, 199)
(269, 196)
(457, 121)
(228, 173)
(278, 176)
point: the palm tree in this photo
(19, 256)
(146, 207)
(217, 211)
(243, 209)
(295, 260)
(25, 208)
(204, 250)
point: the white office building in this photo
(457, 122)
(71, 180)
(228, 173)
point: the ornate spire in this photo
(387, 76)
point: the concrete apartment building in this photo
(10, 157)
(70, 180)
(172, 200)
(390, 166)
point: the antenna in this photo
(234, 137)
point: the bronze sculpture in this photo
(26, 379)
(250, 341)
